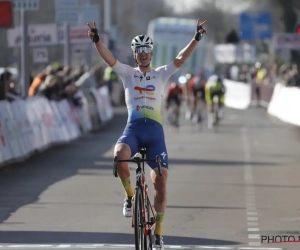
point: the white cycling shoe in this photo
(158, 243)
(127, 209)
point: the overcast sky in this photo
(180, 5)
(187, 5)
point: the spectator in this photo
(110, 77)
(38, 80)
(49, 87)
(8, 87)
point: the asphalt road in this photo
(226, 190)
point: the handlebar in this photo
(137, 160)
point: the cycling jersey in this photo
(215, 85)
(174, 91)
(214, 88)
(144, 93)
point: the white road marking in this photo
(250, 192)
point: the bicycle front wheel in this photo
(138, 219)
(216, 118)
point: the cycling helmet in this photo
(141, 40)
(188, 76)
(173, 84)
(220, 77)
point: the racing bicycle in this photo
(143, 218)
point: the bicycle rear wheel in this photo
(138, 219)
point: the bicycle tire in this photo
(138, 219)
(147, 207)
(199, 120)
(216, 119)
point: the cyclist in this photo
(188, 89)
(174, 93)
(214, 87)
(144, 87)
(197, 94)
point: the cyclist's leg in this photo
(221, 105)
(215, 105)
(167, 102)
(202, 102)
(193, 104)
(210, 107)
(156, 146)
(189, 100)
(170, 109)
(178, 103)
(126, 146)
(198, 105)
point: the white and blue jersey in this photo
(143, 96)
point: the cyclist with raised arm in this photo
(144, 88)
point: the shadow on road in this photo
(22, 183)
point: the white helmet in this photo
(141, 40)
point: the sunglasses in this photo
(139, 50)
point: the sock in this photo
(159, 220)
(127, 186)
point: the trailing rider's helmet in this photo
(141, 40)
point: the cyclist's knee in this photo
(122, 151)
(159, 182)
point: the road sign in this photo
(40, 55)
(89, 13)
(26, 4)
(6, 15)
(255, 25)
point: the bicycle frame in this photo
(141, 183)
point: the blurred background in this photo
(243, 36)
(228, 186)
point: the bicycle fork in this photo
(146, 225)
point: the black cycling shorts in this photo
(174, 98)
(199, 92)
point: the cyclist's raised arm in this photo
(103, 51)
(189, 49)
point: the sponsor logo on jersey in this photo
(145, 97)
(138, 107)
(149, 89)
